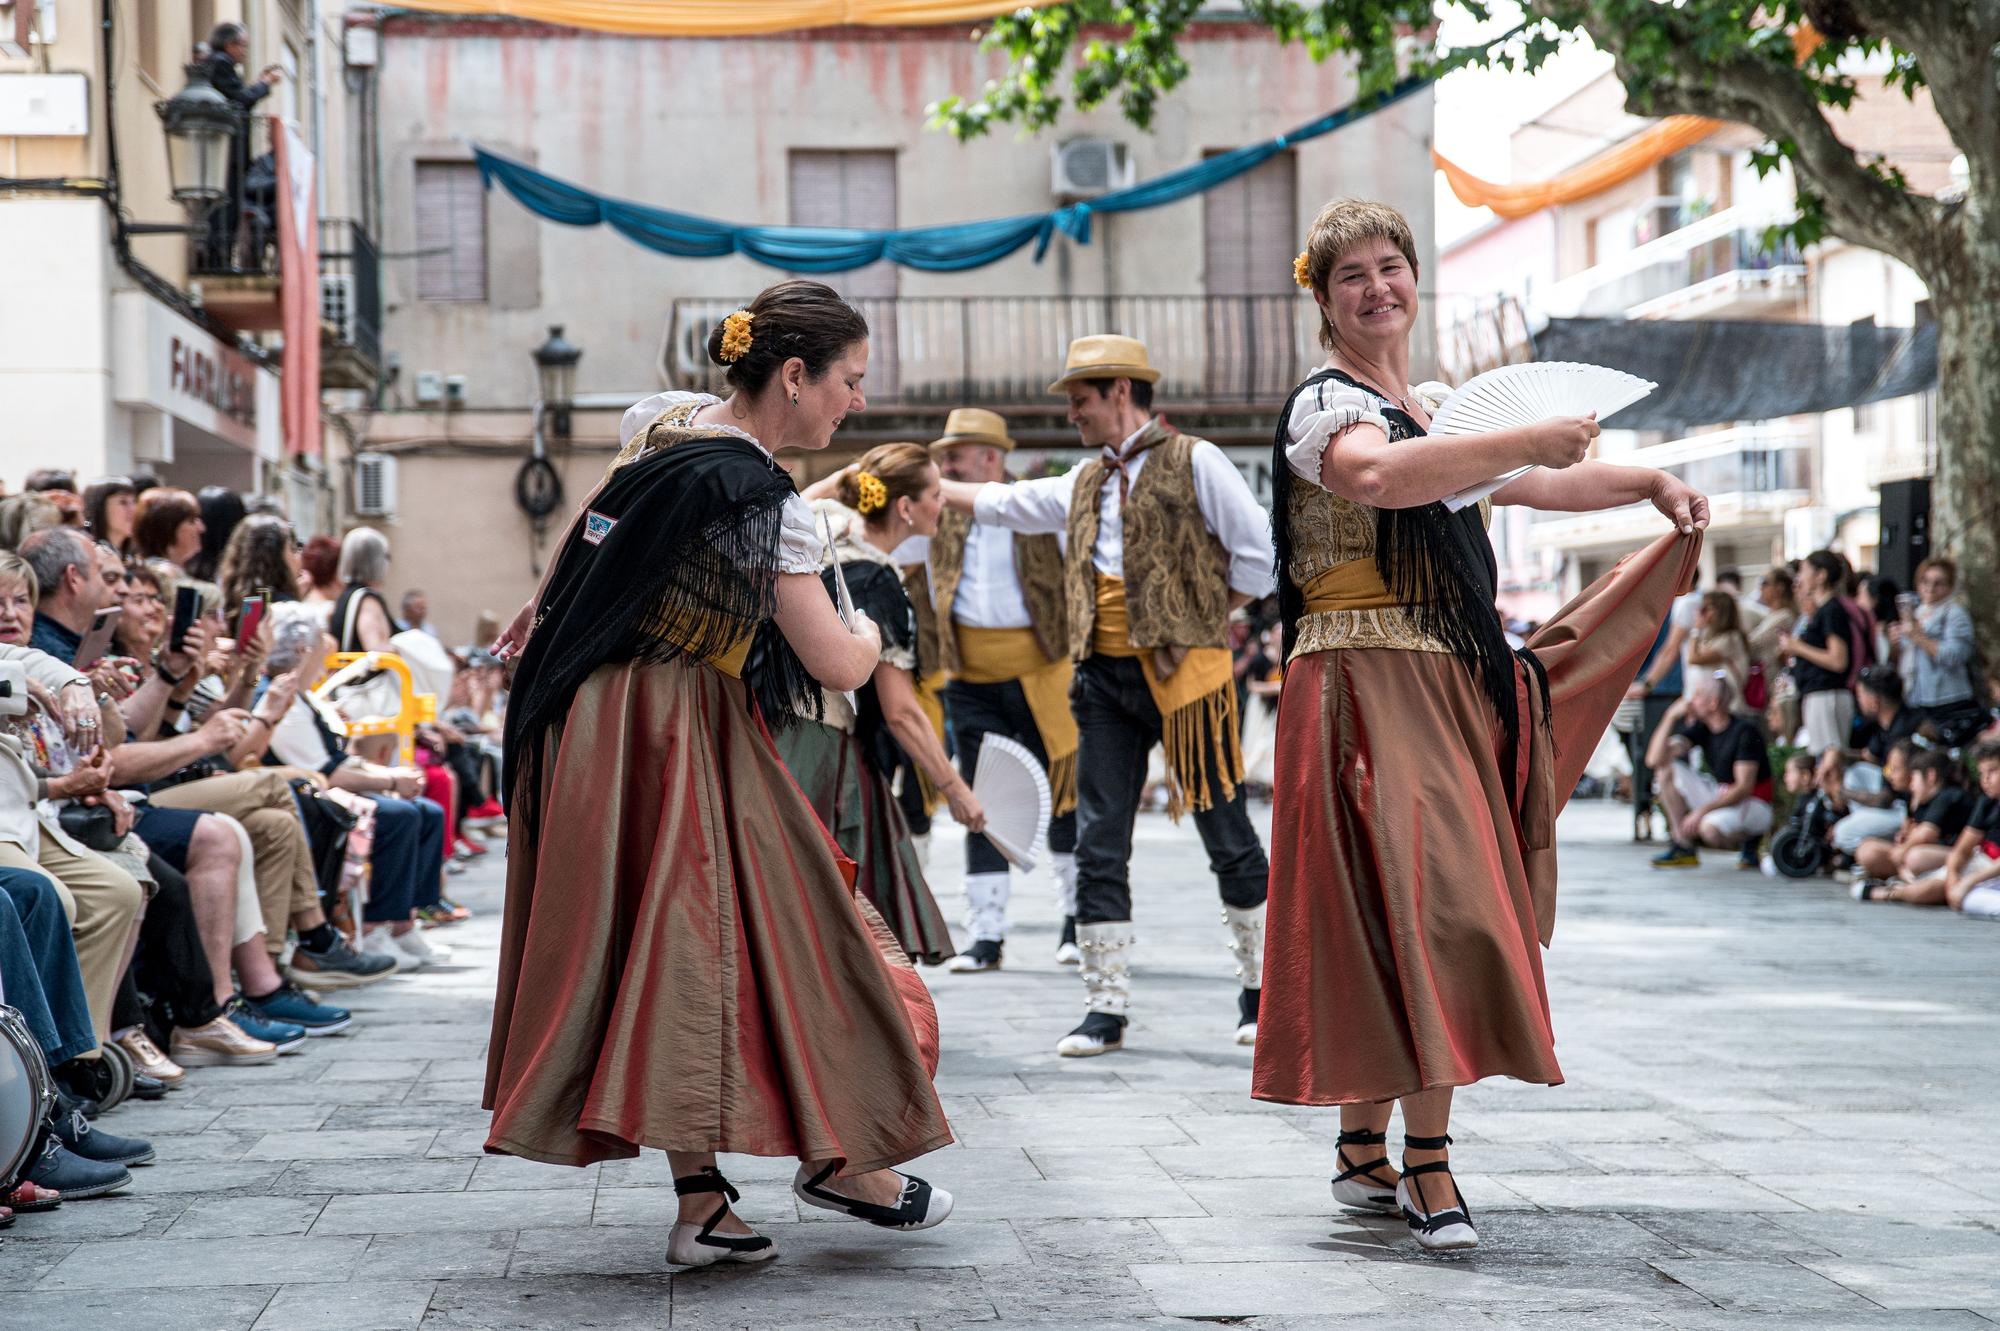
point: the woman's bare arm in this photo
(833, 655)
(1363, 465)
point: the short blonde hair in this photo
(1340, 226)
(21, 571)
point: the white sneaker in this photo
(379, 942)
(421, 950)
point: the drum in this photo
(27, 1095)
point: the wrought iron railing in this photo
(350, 285)
(953, 350)
(238, 236)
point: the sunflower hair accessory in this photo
(870, 494)
(1302, 269)
(736, 336)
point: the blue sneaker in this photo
(288, 1004)
(280, 1033)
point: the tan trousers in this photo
(102, 902)
(261, 799)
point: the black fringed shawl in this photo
(878, 592)
(1439, 565)
(684, 561)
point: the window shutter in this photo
(450, 232)
(837, 188)
(1251, 233)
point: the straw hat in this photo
(970, 425)
(1106, 356)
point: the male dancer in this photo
(1003, 641)
(1164, 541)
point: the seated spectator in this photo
(1718, 643)
(1871, 797)
(408, 853)
(1727, 805)
(167, 529)
(1822, 652)
(22, 515)
(319, 577)
(59, 488)
(361, 621)
(1967, 882)
(1799, 774)
(1934, 645)
(221, 509)
(1939, 810)
(108, 508)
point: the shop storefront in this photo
(193, 407)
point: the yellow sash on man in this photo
(994, 656)
(1196, 696)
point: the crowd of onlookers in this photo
(1831, 722)
(211, 821)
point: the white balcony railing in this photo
(1714, 256)
(1752, 474)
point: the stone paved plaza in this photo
(1779, 1115)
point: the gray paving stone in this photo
(1096, 1243)
(170, 1175)
(1735, 1235)
(599, 1250)
(363, 1305)
(1234, 1289)
(495, 1173)
(1215, 1239)
(1871, 1237)
(761, 1203)
(116, 1216)
(1072, 1198)
(1955, 1281)
(228, 1217)
(1908, 1196)
(442, 1212)
(201, 1262)
(24, 1261)
(405, 1070)
(1646, 1192)
(360, 1144)
(1064, 1164)
(614, 1303)
(1515, 1288)
(1900, 1319)
(264, 1119)
(775, 1294)
(1251, 1130)
(325, 1177)
(1761, 1286)
(221, 1309)
(448, 1255)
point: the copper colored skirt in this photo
(855, 803)
(1410, 897)
(683, 962)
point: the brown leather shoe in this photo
(221, 1043)
(149, 1061)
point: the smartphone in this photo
(187, 609)
(249, 620)
(91, 650)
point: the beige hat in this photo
(970, 425)
(1106, 356)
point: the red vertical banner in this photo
(298, 290)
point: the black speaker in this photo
(1906, 530)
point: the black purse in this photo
(92, 826)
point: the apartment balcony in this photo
(350, 303)
(1752, 474)
(1215, 353)
(1715, 267)
(233, 253)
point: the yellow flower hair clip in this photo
(736, 336)
(1302, 269)
(870, 494)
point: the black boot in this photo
(1246, 1015)
(983, 955)
(1100, 1033)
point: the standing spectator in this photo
(361, 620)
(1822, 652)
(1780, 616)
(59, 488)
(1718, 643)
(1934, 643)
(1877, 595)
(1728, 805)
(22, 515)
(417, 612)
(1656, 690)
(108, 509)
(221, 509)
(319, 577)
(229, 47)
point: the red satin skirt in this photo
(684, 963)
(1411, 894)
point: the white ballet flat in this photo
(1448, 1229)
(698, 1245)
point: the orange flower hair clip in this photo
(1302, 269)
(736, 336)
(870, 494)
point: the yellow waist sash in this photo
(1354, 584)
(730, 662)
(995, 656)
(1196, 697)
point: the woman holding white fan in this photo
(1421, 761)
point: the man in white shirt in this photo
(1163, 540)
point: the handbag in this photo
(92, 826)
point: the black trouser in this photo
(1119, 726)
(979, 710)
(169, 982)
(1642, 776)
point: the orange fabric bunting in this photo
(1651, 145)
(728, 18)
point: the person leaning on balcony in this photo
(1164, 541)
(229, 47)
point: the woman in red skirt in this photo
(684, 964)
(1421, 761)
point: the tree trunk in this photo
(1965, 521)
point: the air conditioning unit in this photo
(1808, 529)
(454, 391)
(430, 388)
(1085, 168)
(336, 304)
(684, 353)
(374, 485)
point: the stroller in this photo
(1800, 849)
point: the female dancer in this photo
(1420, 762)
(683, 964)
(845, 760)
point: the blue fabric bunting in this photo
(938, 249)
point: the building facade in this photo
(822, 128)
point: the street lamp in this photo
(555, 365)
(201, 127)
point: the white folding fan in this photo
(1517, 395)
(1014, 791)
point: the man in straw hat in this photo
(1163, 541)
(1003, 642)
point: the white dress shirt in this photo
(1228, 508)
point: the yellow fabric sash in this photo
(1196, 698)
(994, 656)
(731, 662)
(1354, 584)
(929, 687)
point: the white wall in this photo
(55, 369)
